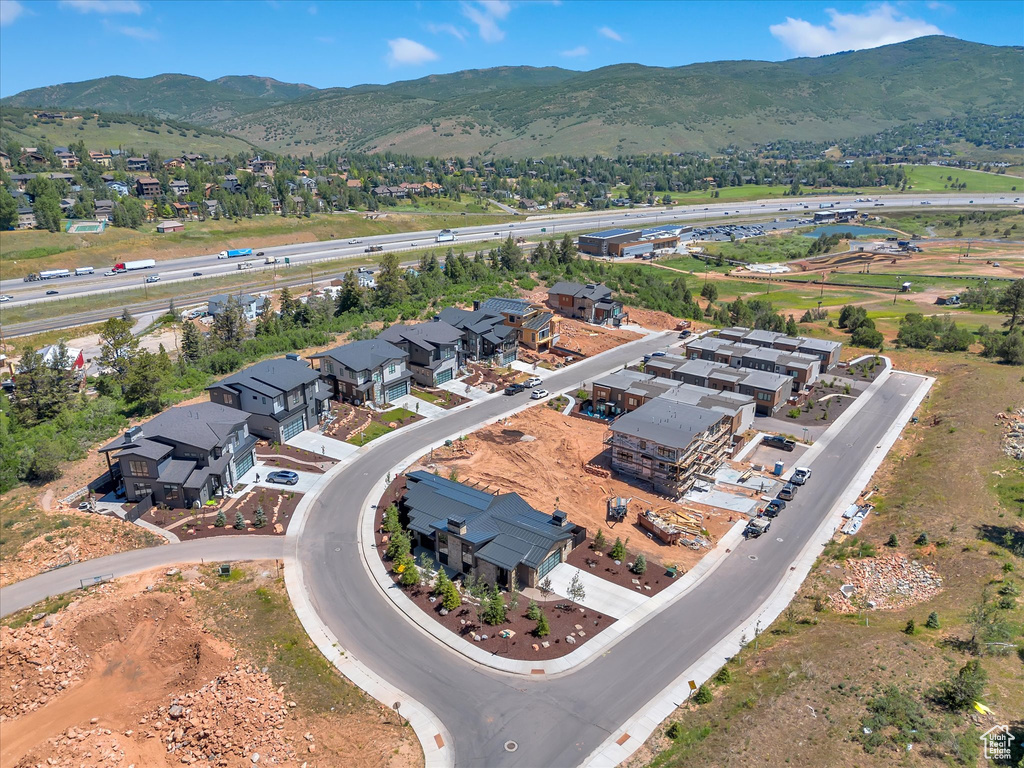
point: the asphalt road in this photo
(553, 224)
(557, 721)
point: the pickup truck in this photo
(514, 389)
(756, 527)
(778, 441)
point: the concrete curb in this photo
(635, 731)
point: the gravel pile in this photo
(890, 581)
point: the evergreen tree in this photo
(1011, 302)
(8, 210)
(618, 551)
(229, 329)
(640, 565)
(600, 542)
(260, 521)
(192, 343)
(410, 576)
(533, 611)
(495, 612)
(221, 519)
(350, 297)
(791, 329)
(543, 629)
(43, 389)
(288, 305)
(391, 287)
(239, 521)
(452, 599)
(118, 346)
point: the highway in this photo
(554, 225)
(556, 721)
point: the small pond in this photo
(857, 231)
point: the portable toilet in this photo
(780, 467)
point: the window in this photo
(391, 368)
(264, 400)
(643, 445)
(142, 489)
(764, 396)
(138, 468)
(170, 491)
(624, 455)
(666, 453)
(632, 401)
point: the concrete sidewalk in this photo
(420, 406)
(601, 595)
(315, 442)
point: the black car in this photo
(197, 274)
(52, 293)
(774, 507)
(514, 389)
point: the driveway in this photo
(422, 407)
(601, 595)
(313, 441)
(304, 485)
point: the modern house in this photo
(826, 351)
(485, 336)
(136, 164)
(146, 186)
(537, 328)
(184, 457)
(284, 397)
(670, 444)
(802, 368)
(26, 218)
(369, 371)
(120, 188)
(179, 187)
(250, 304)
(592, 303)
(483, 535)
(769, 390)
(434, 350)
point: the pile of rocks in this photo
(239, 714)
(36, 666)
(1013, 433)
(890, 581)
(86, 746)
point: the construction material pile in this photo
(890, 581)
(1013, 433)
(36, 666)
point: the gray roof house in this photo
(592, 303)
(486, 336)
(485, 535)
(434, 348)
(368, 371)
(670, 444)
(183, 456)
(250, 304)
(284, 397)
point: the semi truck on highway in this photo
(446, 236)
(270, 260)
(235, 253)
(47, 274)
(84, 271)
(373, 248)
(131, 266)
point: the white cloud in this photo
(946, 8)
(10, 10)
(610, 33)
(448, 29)
(486, 14)
(402, 50)
(579, 50)
(881, 25)
(138, 33)
(103, 6)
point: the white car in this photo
(800, 476)
(5, 297)
(533, 381)
(353, 241)
(109, 273)
(538, 394)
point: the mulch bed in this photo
(481, 376)
(348, 420)
(604, 567)
(562, 621)
(281, 457)
(279, 506)
(860, 372)
(836, 405)
(445, 399)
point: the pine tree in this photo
(191, 343)
(933, 620)
(543, 629)
(452, 599)
(533, 611)
(600, 542)
(239, 522)
(618, 551)
(350, 297)
(640, 565)
(221, 519)
(495, 613)
(703, 695)
(441, 583)
(410, 576)
(288, 305)
(229, 329)
(261, 518)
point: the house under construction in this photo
(670, 444)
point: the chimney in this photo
(559, 518)
(291, 356)
(131, 434)
(457, 525)
(476, 304)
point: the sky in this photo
(329, 43)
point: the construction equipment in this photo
(618, 508)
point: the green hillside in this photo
(139, 133)
(625, 108)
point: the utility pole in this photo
(897, 291)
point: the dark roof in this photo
(148, 449)
(666, 423)
(538, 321)
(176, 471)
(593, 291)
(364, 355)
(510, 530)
(222, 299)
(516, 306)
(272, 377)
(607, 233)
(430, 334)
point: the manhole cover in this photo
(752, 557)
(511, 746)
(337, 549)
(778, 539)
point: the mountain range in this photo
(620, 109)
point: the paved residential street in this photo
(555, 721)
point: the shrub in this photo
(911, 627)
(922, 540)
(495, 612)
(961, 690)
(674, 730)
(618, 551)
(640, 565)
(723, 676)
(542, 629)
(703, 695)
(221, 520)
(933, 621)
(410, 576)
(451, 599)
(892, 541)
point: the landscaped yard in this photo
(222, 519)
(439, 397)
(381, 424)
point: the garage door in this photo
(552, 560)
(243, 464)
(443, 376)
(509, 357)
(292, 428)
(396, 391)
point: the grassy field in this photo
(931, 178)
(27, 251)
(949, 223)
(813, 674)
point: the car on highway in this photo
(498, 234)
(6, 297)
(222, 255)
(538, 394)
(259, 253)
(353, 241)
(515, 389)
(788, 492)
(109, 273)
(533, 381)
(52, 293)
(283, 477)
(153, 279)
(926, 202)
(197, 274)
(800, 476)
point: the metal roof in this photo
(272, 377)
(364, 355)
(503, 305)
(666, 423)
(428, 335)
(604, 234)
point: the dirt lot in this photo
(131, 673)
(658, 321)
(549, 469)
(590, 340)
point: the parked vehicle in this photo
(514, 389)
(283, 476)
(84, 271)
(800, 476)
(533, 381)
(778, 441)
(684, 334)
(756, 527)
(131, 266)
(774, 507)
(538, 394)
(788, 492)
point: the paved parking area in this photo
(313, 441)
(767, 456)
(306, 479)
(602, 596)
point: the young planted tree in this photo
(410, 576)
(577, 592)
(239, 522)
(618, 551)
(545, 586)
(533, 611)
(600, 542)
(542, 629)
(495, 613)
(260, 521)
(221, 520)
(640, 565)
